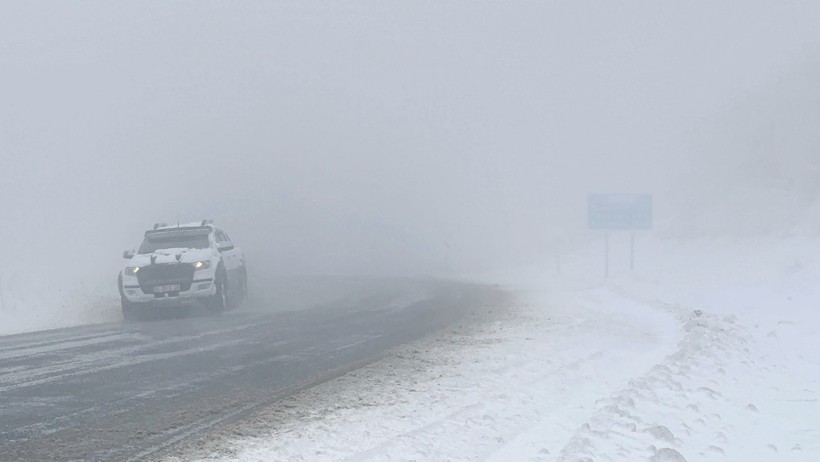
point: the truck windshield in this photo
(175, 240)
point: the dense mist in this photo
(373, 137)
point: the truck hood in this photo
(180, 255)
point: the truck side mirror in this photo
(128, 254)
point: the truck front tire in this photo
(130, 312)
(219, 301)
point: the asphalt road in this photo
(130, 391)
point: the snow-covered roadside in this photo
(744, 383)
(26, 305)
(761, 364)
(629, 370)
(723, 395)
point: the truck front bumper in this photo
(201, 290)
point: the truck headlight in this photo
(131, 270)
(202, 265)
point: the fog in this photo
(374, 137)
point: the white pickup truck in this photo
(191, 264)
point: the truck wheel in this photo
(243, 289)
(129, 311)
(219, 300)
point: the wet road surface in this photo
(130, 391)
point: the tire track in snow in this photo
(98, 361)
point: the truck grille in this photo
(165, 274)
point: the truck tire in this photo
(219, 301)
(242, 289)
(130, 312)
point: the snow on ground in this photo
(26, 305)
(714, 364)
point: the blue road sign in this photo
(620, 211)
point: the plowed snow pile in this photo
(716, 360)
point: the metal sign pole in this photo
(620, 212)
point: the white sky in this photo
(363, 136)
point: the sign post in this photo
(620, 212)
